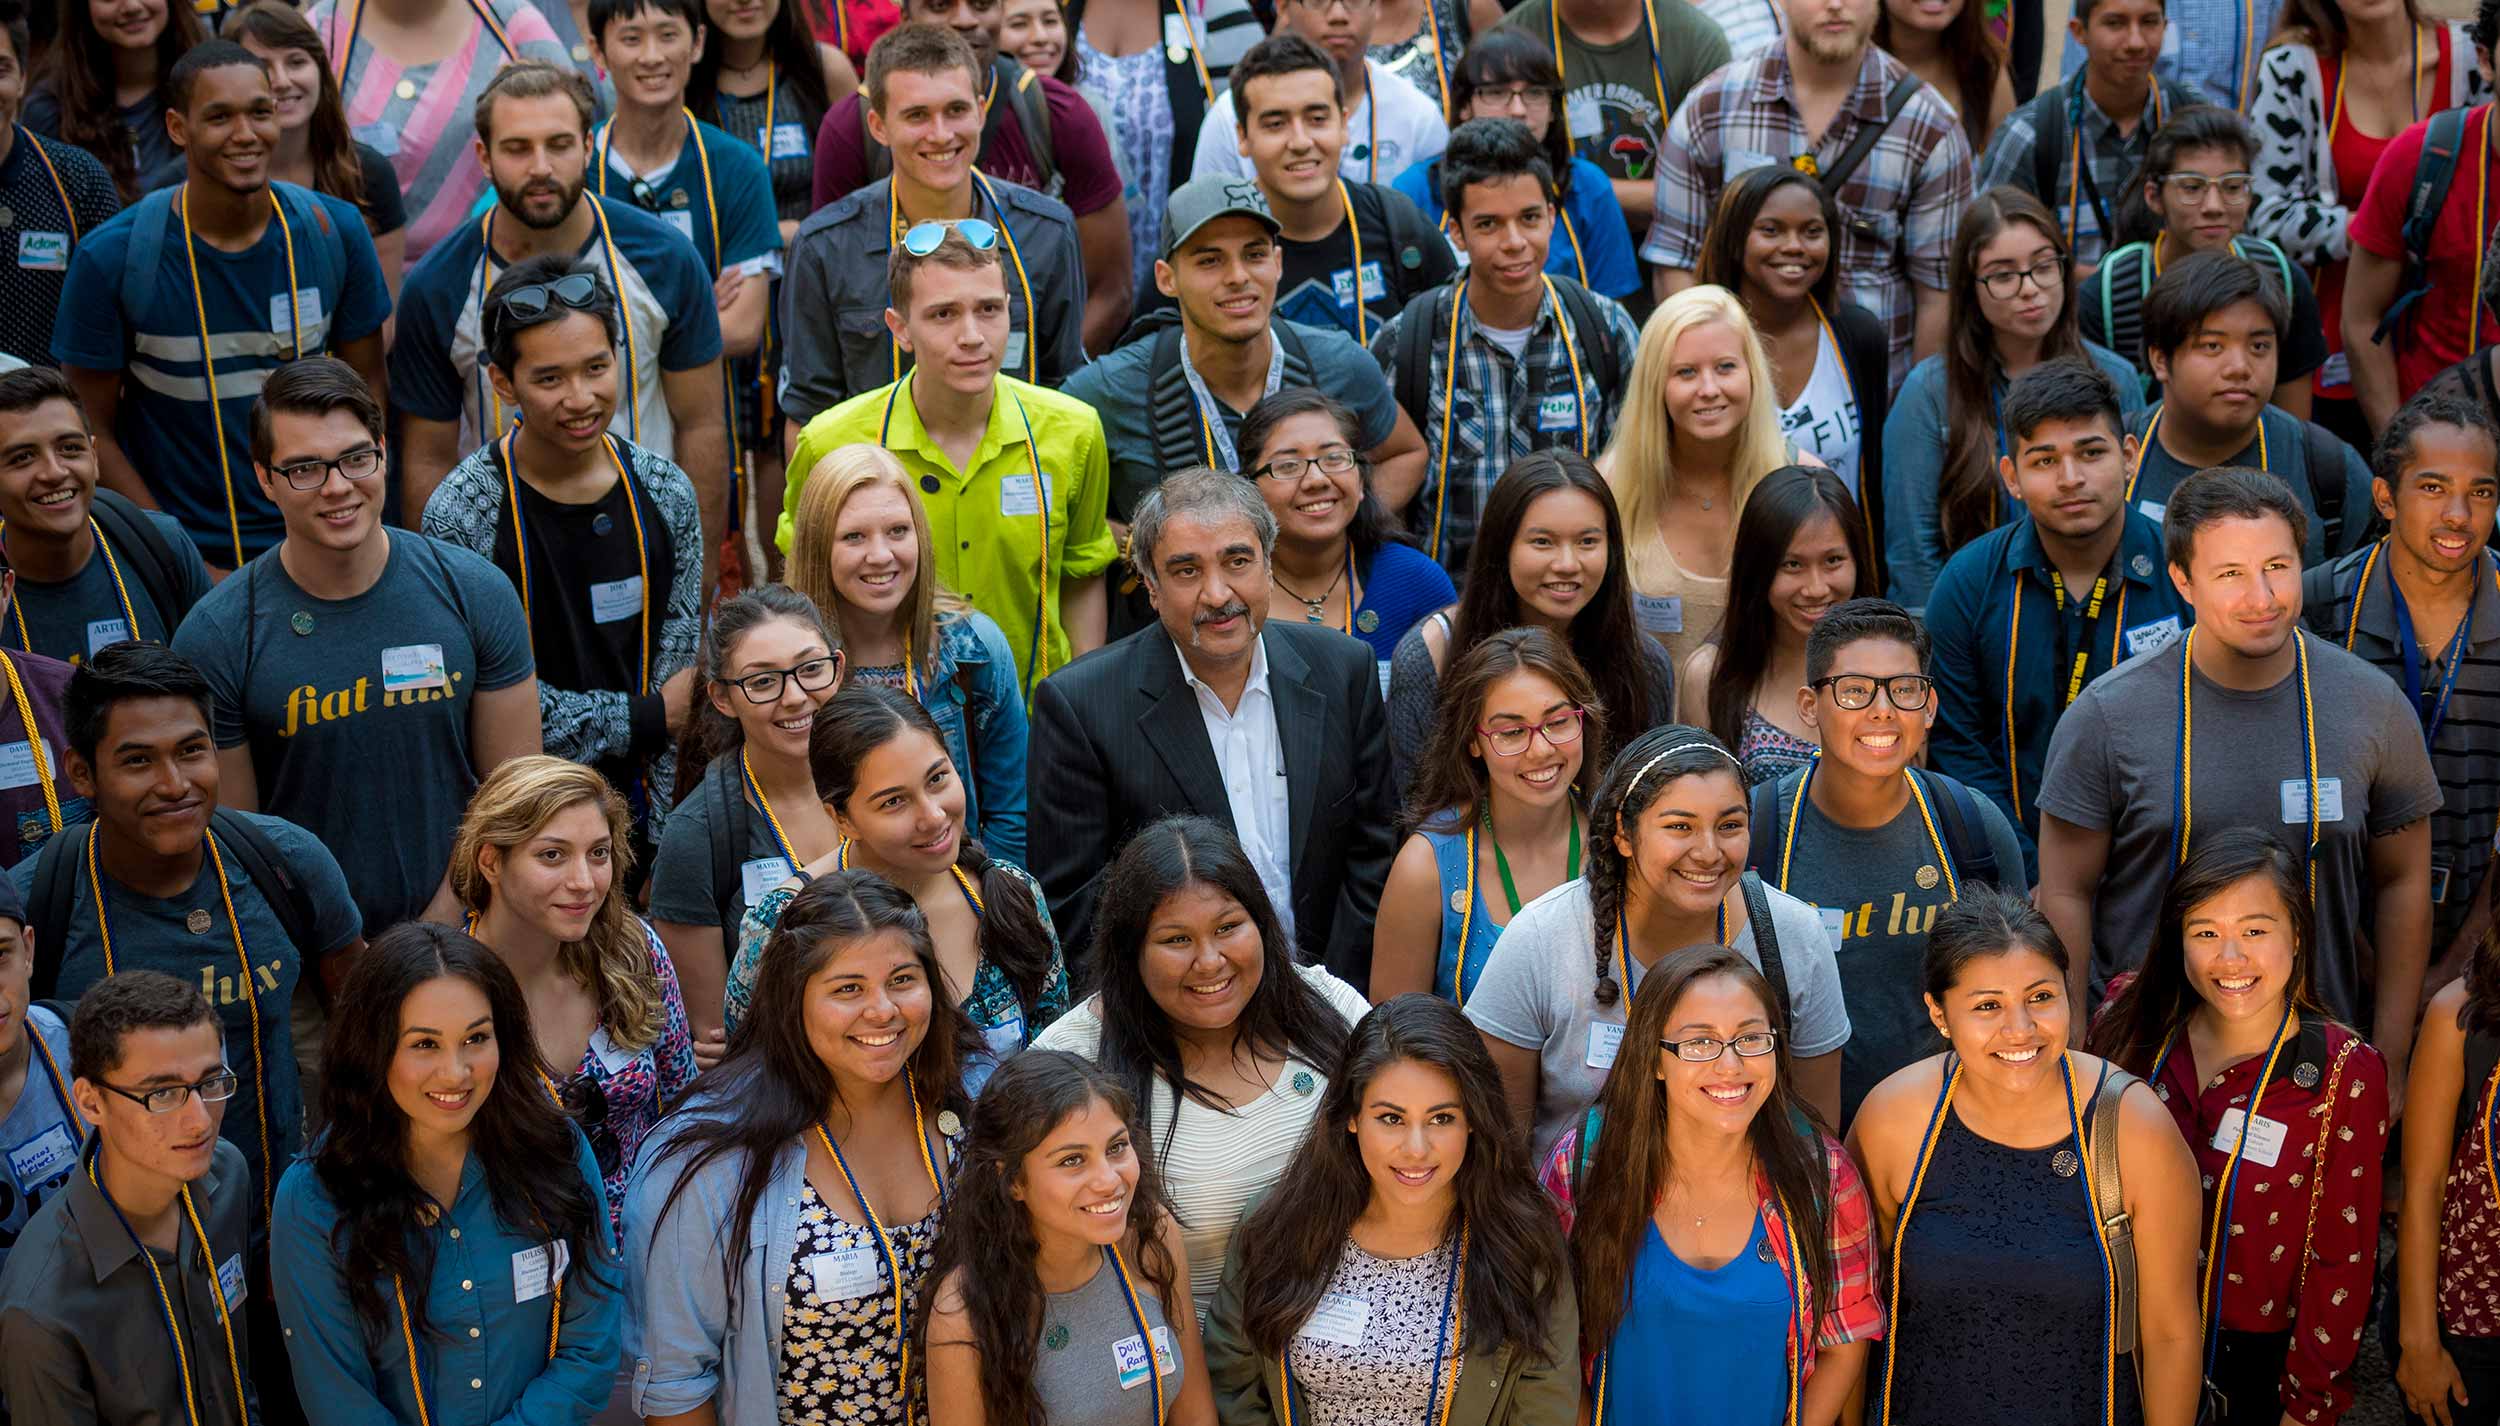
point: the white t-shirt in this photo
(1410, 131)
(1748, 24)
(1825, 418)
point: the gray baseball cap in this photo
(1201, 201)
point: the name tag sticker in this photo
(1605, 1042)
(616, 599)
(35, 1162)
(845, 1273)
(1835, 925)
(43, 252)
(682, 219)
(17, 764)
(1129, 1356)
(761, 875)
(2152, 638)
(1340, 1318)
(1006, 1037)
(102, 634)
(2265, 1136)
(1580, 111)
(413, 666)
(785, 140)
(1176, 33)
(230, 1281)
(1558, 413)
(2296, 799)
(2337, 371)
(2439, 884)
(1659, 613)
(536, 1271)
(1013, 359)
(304, 311)
(2153, 509)
(1016, 496)
(613, 1058)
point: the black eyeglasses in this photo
(362, 463)
(765, 684)
(1336, 460)
(2005, 282)
(1853, 691)
(1706, 1049)
(166, 1098)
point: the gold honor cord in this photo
(2074, 678)
(112, 566)
(34, 743)
(642, 544)
(165, 1298)
(1449, 377)
(2186, 788)
(208, 359)
(885, 1245)
(1918, 795)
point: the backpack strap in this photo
(266, 868)
(151, 227)
(2482, 1057)
(1768, 807)
(1597, 340)
(1973, 859)
(2438, 165)
(1171, 407)
(1766, 940)
(2048, 147)
(1863, 143)
(729, 842)
(53, 903)
(1298, 369)
(1419, 330)
(321, 263)
(2326, 483)
(2109, 1201)
(144, 550)
(1032, 105)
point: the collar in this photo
(876, 201)
(2378, 607)
(1003, 433)
(2139, 558)
(100, 1231)
(1469, 325)
(2099, 119)
(1257, 682)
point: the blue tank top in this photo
(1449, 856)
(1701, 1347)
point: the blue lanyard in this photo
(1440, 1348)
(2433, 713)
(756, 791)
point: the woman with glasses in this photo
(860, 548)
(2286, 1111)
(2011, 304)
(1719, 1236)
(779, 1229)
(898, 808)
(443, 1252)
(1497, 802)
(1507, 73)
(2002, 1250)
(749, 817)
(1339, 558)
(536, 869)
(600, 536)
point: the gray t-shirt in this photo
(682, 889)
(1540, 993)
(1877, 891)
(2113, 767)
(357, 710)
(1095, 1369)
(39, 1135)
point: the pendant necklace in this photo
(1314, 610)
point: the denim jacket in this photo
(972, 694)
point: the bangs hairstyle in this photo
(1857, 621)
(1740, 206)
(1514, 1251)
(1639, 460)
(772, 1088)
(311, 386)
(1451, 781)
(1491, 151)
(987, 1253)
(2068, 388)
(1622, 1178)
(955, 251)
(788, 43)
(28, 387)
(2131, 1030)
(916, 48)
(859, 719)
(815, 524)
(1282, 53)
(1506, 55)
(534, 79)
(2226, 492)
(2193, 127)
(2428, 410)
(712, 733)
(122, 1005)
(604, 13)
(127, 672)
(1784, 504)
(84, 76)
(1638, 777)
(1371, 527)
(528, 1147)
(613, 958)
(1286, 1016)
(1971, 493)
(2190, 291)
(1985, 923)
(1602, 635)
(503, 326)
(337, 169)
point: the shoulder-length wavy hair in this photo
(1787, 500)
(613, 958)
(1977, 57)
(1639, 461)
(1371, 527)
(521, 1137)
(337, 170)
(81, 75)
(1635, 780)
(1631, 1166)
(1450, 780)
(771, 1087)
(2157, 1003)
(711, 733)
(787, 44)
(864, 717)
(1514, 1251)
(842, 473)
(1285, 1015)
(1731, 223)
(1968, 495)
(1509, 55)
(2320, 25)
(987, 1245)
(1602, 634)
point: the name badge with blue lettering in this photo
(104, 633)
(761, 875)
(785, 140)
(42, 1158)
(1558, 413)
(43, 252)
(1016, 495)
(230, 1281)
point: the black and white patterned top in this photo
(2299, 205)
(840, 1358)
(1386, 1373)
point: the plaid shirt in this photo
(2210, 46)
(2110, 160)
(1529, 402)
(1856, 1314)
(1898, 210)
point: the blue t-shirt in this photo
(1595, 218)
(671, 323)
(72, 619)
(164, 422)
(357, 710)
(41, 1132)
(157, 933)
(1401, 587)
(735, 199)
(1701, 1347)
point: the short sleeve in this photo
(364, 296)
(2405, 787)
(752, 223)
(88, 331)
(2304, 346)
(1349, 373)
(217, 653)
(685, 294)
(498, 629)
(682, 893)
(1082, 149)
(1813, 978)
(2003, 845)
(385, 203)
(1511, 1000)
(1936, 204)
(424, 383)
(335, 917)
(2378, 223)
(2074, 782)
(841, 157)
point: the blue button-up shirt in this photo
(482, 1346)
(1971, 619)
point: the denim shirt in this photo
(972, 694)
(482, 1354)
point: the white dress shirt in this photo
(1250, 754)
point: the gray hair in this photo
(1207, 494)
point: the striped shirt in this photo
(2466, 756)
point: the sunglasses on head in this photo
(923, 239)
(577, 290)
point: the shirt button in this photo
(929, 483)
(967, 544)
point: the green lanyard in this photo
(1501, 863)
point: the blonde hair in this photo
(1639, 462)
(614, 958)
(840, 474)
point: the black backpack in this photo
(2431, 177)
(1426, 319)
(1025, 100)
(1956, 807)
(54, 894)
(144, 550)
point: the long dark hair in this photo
(1977, 57)
(771, 1088)
(2320, 25)
(1514, 1252)
(1602, 634)
(1731, 223)
(1787, 500)
(79, 71)
(1969, 491)
(2156, 1004)
(1634, 781)
(1451, 782)
(520, 1136)
(711, 733)
(1371, 527)
(1285, 1016)
(1628, 1171)
(337, 170)
(1507, 55)
(987, 1245)
(793, 53)
(865, 717)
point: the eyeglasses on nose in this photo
(1853, 691)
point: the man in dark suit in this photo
(1276, 730)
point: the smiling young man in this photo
(355, 663)
(1877, 847)
(117, 1259)
(2429, 618)
(1541, 358)
(52, 194)
(1390, 125)
(2259, 725)
(977, 444)
(213, 258)
(2068, 594)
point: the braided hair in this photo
(1634, 781)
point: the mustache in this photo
(1234, 610)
